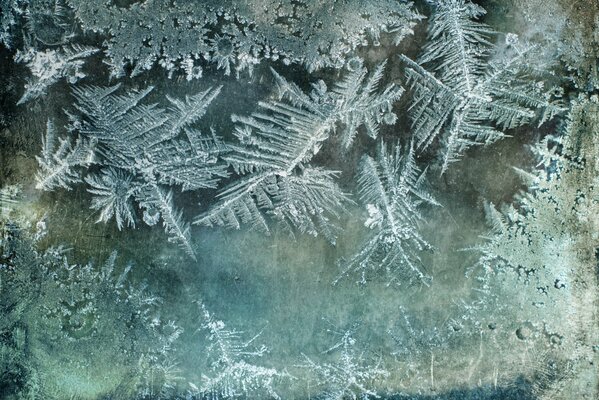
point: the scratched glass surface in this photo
(299, 199)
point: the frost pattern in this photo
(349, 376)
(35, 23)
(11, 12)
(113, 191)
(49, 66)
(8, 199)
(460, 94)
(391, 187)
(59, 161)
(540, 245)
(232, 373)
(68, 311)
(142, 149)
(277, 145)
(235, 35)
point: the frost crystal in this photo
(363, 105)
(540, 246)
(391, 186)
(277, 145)
(8, 199)
(232, 374)
(49, 66)
(143, 149)
(349, 377)
(462, 96)
(236, 35)
(10, 13)
(58, 162)
(113, 190)
(76, 310)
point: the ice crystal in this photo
(461, 94)
(539, 247)
(158, 203)
(48, 23)
(113, 191)
(391, 187)
(35, 23)
(237, 35)
(186, 113)
(277, 145)
(11, 13)
(143, 149)
(49, 66)
(144, 141)
(413, 336)
(59, 161)
(233, 373)
(349, 376)
(77, 309)
(8, 199)
(158, 369)
(222, 52)
(364, 105)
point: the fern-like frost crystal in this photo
(232, 373)
(49, 66)
(60, 160)
(391, 187)
(278, 144)
(461, 94)
(144, 150)
(113, 190)
(349, 376)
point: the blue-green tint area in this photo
(297, 199)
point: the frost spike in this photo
(391, 188)
(278, 143)
(185, 113)
(57, 162)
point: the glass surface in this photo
(299, 199)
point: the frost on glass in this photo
(60, 159)
(49, 66)
(144, 151)
(78, 309)
(233, 373)
(237, 35)
(462, 95)
(287, 121)
(276, 147)
(540, 244)
(34, 22)
(391, 186)
(350, 375)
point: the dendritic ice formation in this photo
(463, 94)
(277, 145)
(143, 150)
(43, 22)
(59, 158)
(7, 200)
(464, 91)
(349, 376)
(237, 35)
(232, 373)
(391, 186)
(544, 245)
(54, 311)
(319, 155)
(49, 66)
